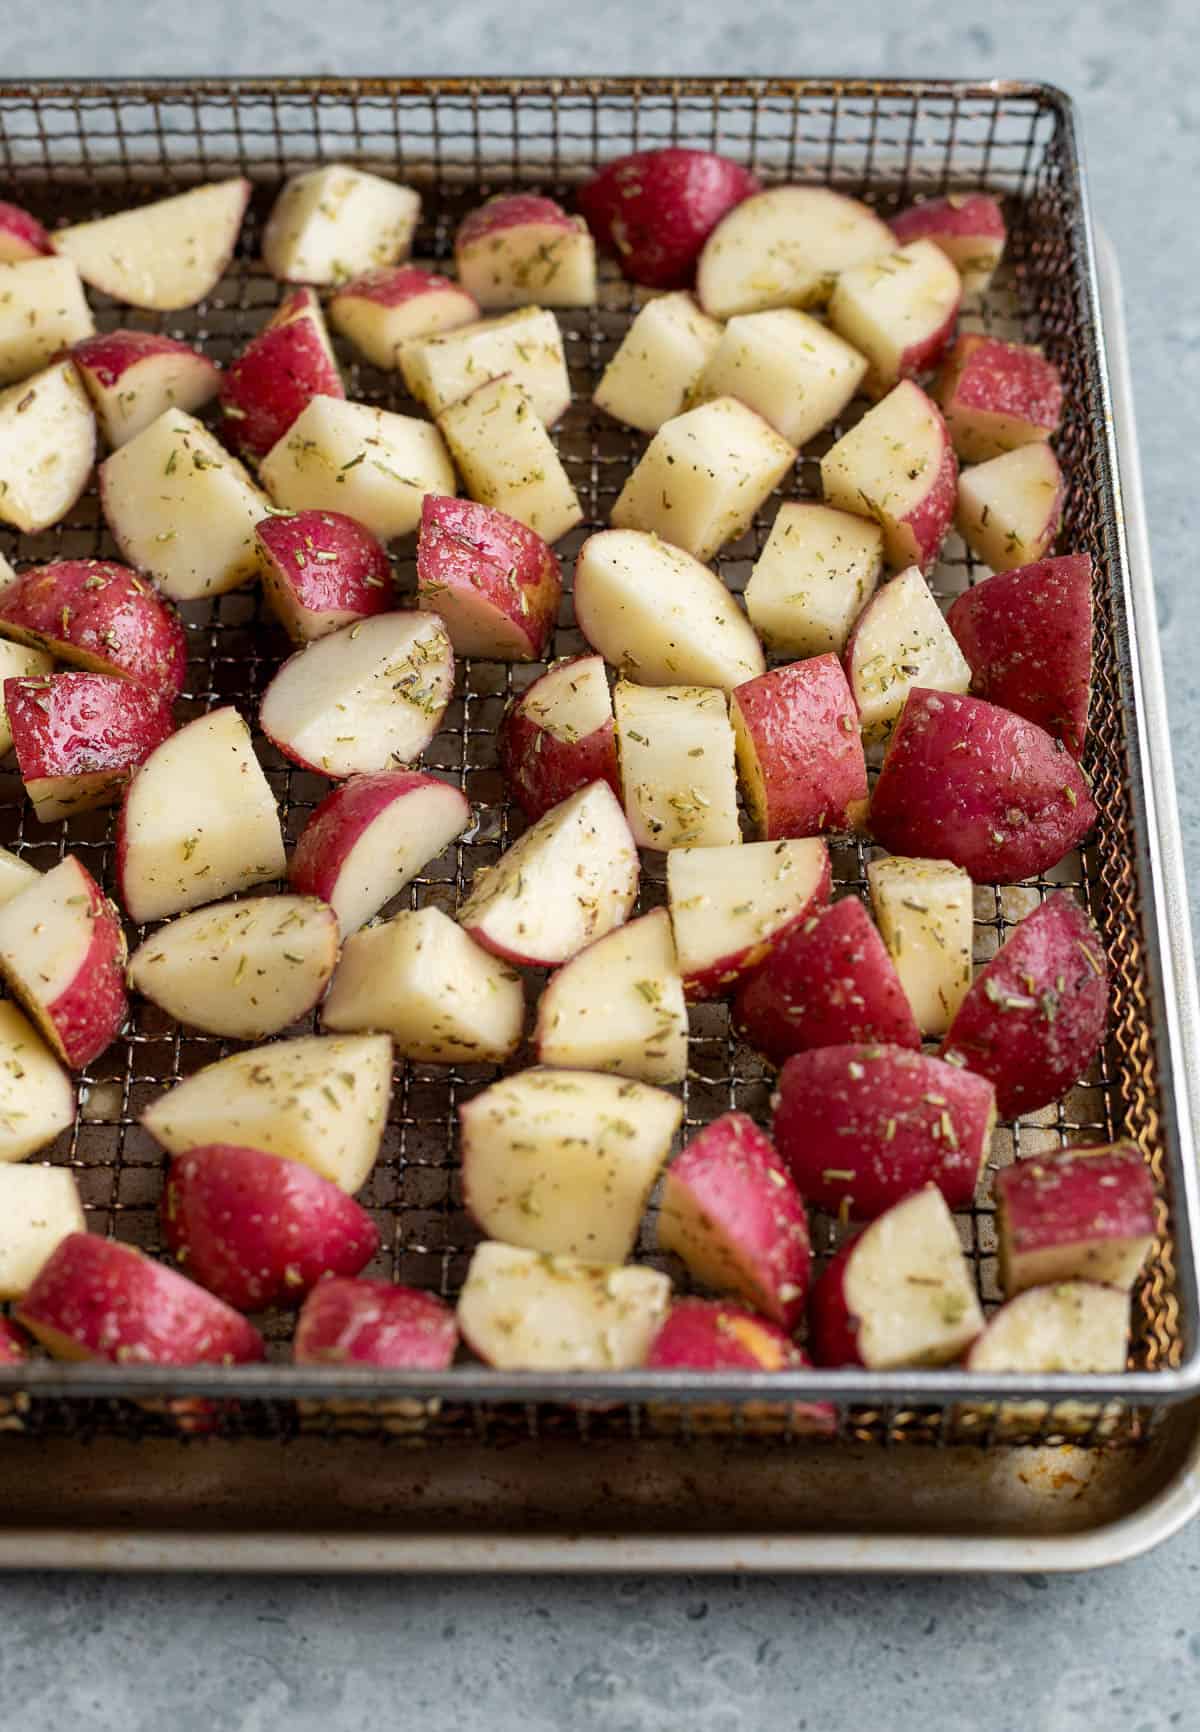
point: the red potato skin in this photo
(832, 1326)
(655, 209)
(1010, 379)
(895, 1119)
(733, 1174)
(966, 781)
(541, 770)
(259, 1230)
(276, 376)
(1027, 635)
(828, 982)
(711, 1335)
(95, 1299)
(355, 584)
(78, 724)
(14, 1343)
(1076, 1197)
(976, 214)
(340, 821)
(395, 285)
(109, 355)
(21, 235)
(97, 614)
(460, 541)
(1036, 1014)
(509, 210)
(930, 523)
(87, 1015)
(803, 721)
(374, 1323)
(727, 972)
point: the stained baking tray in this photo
(76, 150)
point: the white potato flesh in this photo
(813, 578)
(18, 661)
(925, 913)
(884, 466)
(786, 366)
(910, 1287)
(199, 821)
(901, 641)
(368, 697)
(564, 1161)
(891, 306)
(39, 1208)
(421, 979)
(164, 255)
(726, 903)
(320, 1099)
(785, 248)
(521, 1311)
(181, 508)
(1009, 507)
(675, 745)
(570, 701)
(16, 875)
(43, 310)
(618, 1006)
(526, 345)
(244, 970)
(661, 357)
(332, 223)
(508, 460)
(37, 1097)
(1072, 1326)
(369, 463)
(47, 447)
(570, 878)
(660, 616)
(703, 476)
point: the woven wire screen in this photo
(71, 152)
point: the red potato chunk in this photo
(827, 982)
(386, 308)
(799, 752)
(133, 377)
(277, 375)
(710, 1335)
(375, 1323)
(21, 235)
(730, 906)
(1027, 635)
(995, 396)
(1072, 1326)
(519, 249)
(95, 1299)
(654, 209)
(559, 735)
(164, 255)
(732, 1214)
(493, 581)
(98, 615)
(62, 955)
(966, 781)
(969, 228)
(322, 570)
(79, 737)
(1035, 1016)
(259, 1230)
(899, 1293)
(1079, 1215)
(897, 466)
(860, 1127)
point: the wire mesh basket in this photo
(72, 151)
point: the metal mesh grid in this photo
(76, 151)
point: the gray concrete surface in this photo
(1038, 1654)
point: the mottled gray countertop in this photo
(1036, 1653)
